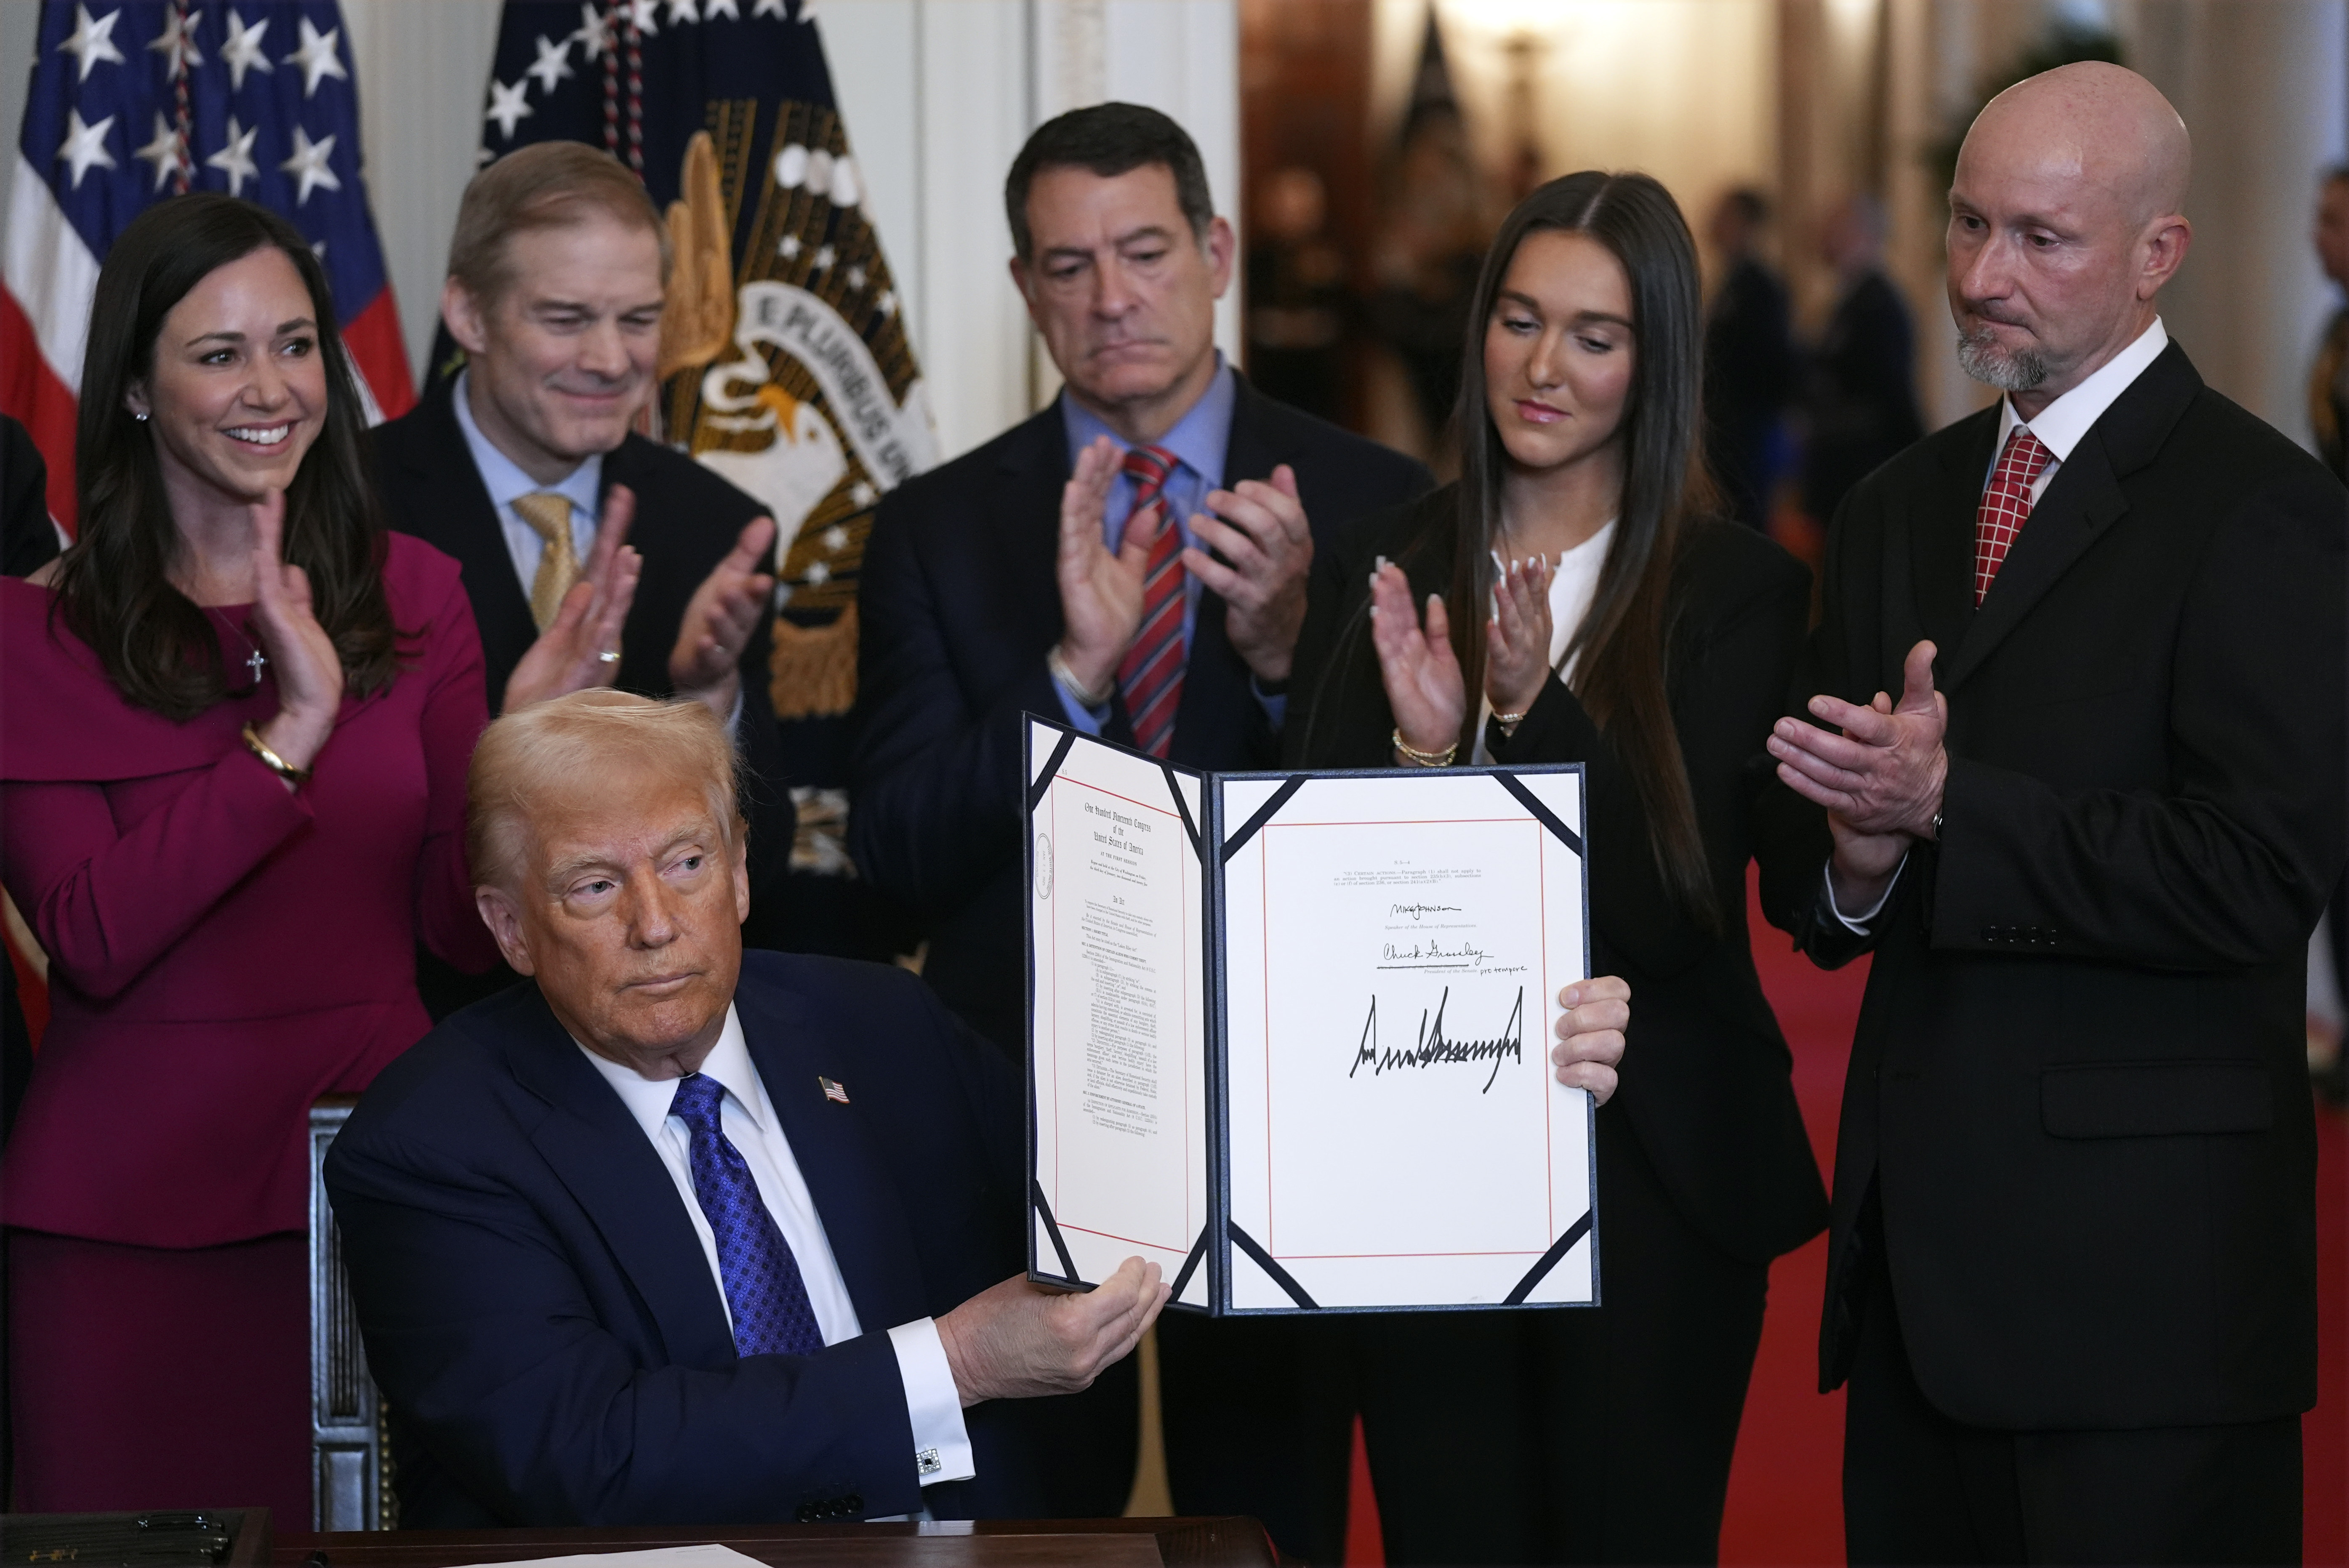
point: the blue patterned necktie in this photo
(772, 1311)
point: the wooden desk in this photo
(1218, 1543)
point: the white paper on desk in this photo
(1393, 949)
(706, 1557)
(1118, 1031)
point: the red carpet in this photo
(1784, 1501)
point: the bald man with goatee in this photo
(2076, 715)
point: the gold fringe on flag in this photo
(812, 669)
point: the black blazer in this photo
(959, 604)
(546, 1327)
(1705, 1081)
(687, 519)
(2077, 1086)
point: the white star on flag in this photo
(817, 575)
(92, 41)
(178, 40)
(509, 104)
(168, 153)
(887, 305)
(862, 494)
(640, 17)
(713, 9)
(789, 248)
(681, 11)
(768, 8)
(84, 145)
(241, 51)
(835, 539)
(824, 258)
(235, 158)
(316, 56)
(552, 65)
(856, 277)
(309, 164)
(594, 35)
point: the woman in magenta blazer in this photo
(233, 763)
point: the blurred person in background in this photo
(2328, 419)
(1297, 298)
(1431, 244)
(1749, 358)
(1859, 398)
(232, 802)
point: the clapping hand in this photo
(1100, 591)
(707, 662)
(1880, 779)
(1517, 646)
(1424, 687)
(1260, 531)
(581, 646)
(309, 671)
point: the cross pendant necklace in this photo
(256, 664)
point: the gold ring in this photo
(609, 656)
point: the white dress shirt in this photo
(2059, 427)
(941, 1444)
(506, 482)
(1572, 586)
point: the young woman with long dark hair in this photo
(232, 800)
(1585, 600)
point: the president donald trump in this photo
(671, 1233)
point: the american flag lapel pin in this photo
(832, 1089)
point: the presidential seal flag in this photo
(784, 363)
(137, 101)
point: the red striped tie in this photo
(1151, 674)
(2005, 504)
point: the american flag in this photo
(136, 101)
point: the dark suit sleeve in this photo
(936, 771)
(495, 1355)
(28, 539)
(2232, 864)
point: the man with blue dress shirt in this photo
(674, 1233)
(1132, 560)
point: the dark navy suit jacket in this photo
(543, 1322)
(960, 601)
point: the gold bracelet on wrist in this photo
(270, 761)
(1067, 678)
(1424, 758)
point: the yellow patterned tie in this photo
(549, 516)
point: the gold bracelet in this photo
(1059, 667)
(1425, 758)
(275, 763)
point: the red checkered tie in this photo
(1151, 674)
(2006, 503)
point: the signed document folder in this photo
(1288, 1032)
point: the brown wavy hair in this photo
(114, 589)
(1621, 674)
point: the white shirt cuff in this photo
(933, 1404)
(1859, 923)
